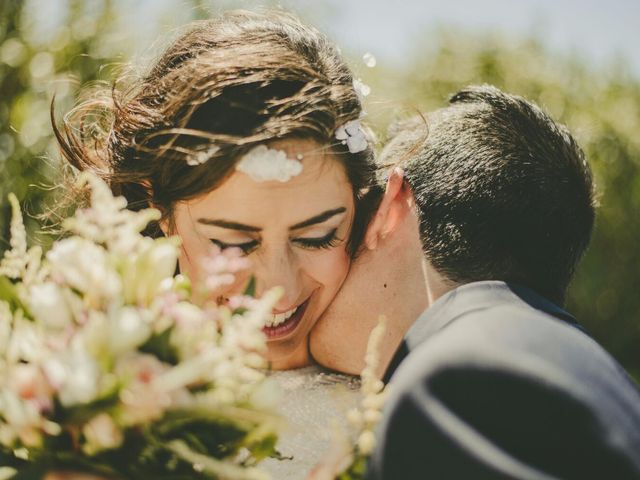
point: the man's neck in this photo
(435, 286)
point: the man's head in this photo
(502, 191)
(493, 189)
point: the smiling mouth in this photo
(282, 324)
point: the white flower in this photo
(362, 89)
(85, 267)
(101, 433)
(202, 156)
(366, 442)
(94, 334)
(6, 473)
(27, 342)
(75, 374)
(352, 134)
(145, 270)
(264, 164)
(372, 402)
(194, 331)
(128, 330)
(48, 304)
(29, 382)
(369, 60)
(163, 256)
(15, 259)
(188, 372)
(108, 221)
(6, 324)
(23, 420)
(141, 399)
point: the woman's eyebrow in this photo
(228, 224)
(321, 217)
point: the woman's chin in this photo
(297, 359)
(288, 342)
(288, 355)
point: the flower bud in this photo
(101, 433)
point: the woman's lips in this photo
(287, 326)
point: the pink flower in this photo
(220, 267)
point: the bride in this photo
(246, 133)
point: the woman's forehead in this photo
(322, 184)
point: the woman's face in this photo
(294, 233)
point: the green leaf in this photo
(82, 413)
(160, 345)
(9, 294)
(250, 289)
(356, 470)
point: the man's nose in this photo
(279, 269)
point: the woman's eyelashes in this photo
(246, 247)
(311, 243)
(327, 241)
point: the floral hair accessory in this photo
(362, 89)
(369, 60)
(352, 134)
(263, 164)
(202, 156)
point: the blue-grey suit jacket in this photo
(494, 381)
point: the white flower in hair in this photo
(202, 156)
(352, 134)
(369, 60)
(362, 89)
(263, 164)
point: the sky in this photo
(599, 31)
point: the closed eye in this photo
(327, 241)
(246, 247)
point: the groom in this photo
(494, 379)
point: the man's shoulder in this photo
(515, 339)
(516, 392)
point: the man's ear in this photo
(392, 209)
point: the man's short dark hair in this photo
(503, 192)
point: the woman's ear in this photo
(391, 211)
(163, 223)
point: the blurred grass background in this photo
(88, 40)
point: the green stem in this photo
(213, 466)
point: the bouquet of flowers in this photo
(112, 365)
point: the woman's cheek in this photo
(328, 267)
(240, 283)
(192, 251)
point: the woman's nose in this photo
(279, 270)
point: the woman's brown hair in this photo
(221, 88)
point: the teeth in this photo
(278, 318)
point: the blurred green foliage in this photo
(601, 107)
(33, 68)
